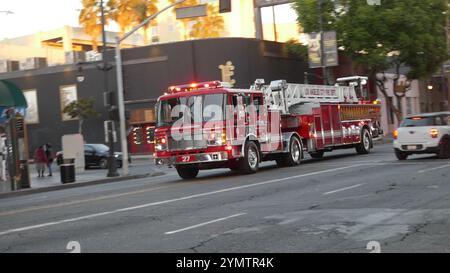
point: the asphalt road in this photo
(338, 204)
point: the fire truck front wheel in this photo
(364, 147)
(250, 162)
(187, 172)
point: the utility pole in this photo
(322, 52)
(120, 89)
(112, 164)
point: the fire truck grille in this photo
(187, 143)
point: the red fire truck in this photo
(210, 125)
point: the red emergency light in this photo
(195, 86)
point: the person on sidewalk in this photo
(50, 158)
(40, 159)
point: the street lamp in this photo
(109, 127)
(119, 77)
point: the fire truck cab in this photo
(210, 125)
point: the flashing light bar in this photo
(195, 86)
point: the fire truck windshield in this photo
(205, 108)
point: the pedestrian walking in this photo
(2, 158)
(40, 159)
(50, 158)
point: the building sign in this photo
(32, 116)
(67, 95)
(329, 49)
(227, 72)
(267, 3)
(314, 50)
(191, 12)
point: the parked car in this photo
(423, 134)
(95, 155)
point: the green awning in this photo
(11, 95)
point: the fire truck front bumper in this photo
(193, 159)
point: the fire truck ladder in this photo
(282, 95)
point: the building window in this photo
(67, 95)
(32, 110)
(409, 106)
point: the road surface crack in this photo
(201, 244)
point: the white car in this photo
(423, 134)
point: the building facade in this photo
(147, 71)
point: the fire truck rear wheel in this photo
(250, 162)
(317, 155)
(364, 147)
(187, 172)
(294, 157)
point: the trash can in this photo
(67, 170)
(24, 182)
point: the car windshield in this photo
(423, 121)
(197, 106)
(100, 147)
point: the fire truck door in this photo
(318, 129)
(336, 125)
(326, 123)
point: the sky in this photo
(31, 16)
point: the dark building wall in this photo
(148, 72)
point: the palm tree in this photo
(90, 20)
(210, 26)
(122, 13)
(142, 10)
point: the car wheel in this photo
(444, 148)
(103, 163)
(401, 155)
(364, 147)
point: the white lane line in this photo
(433, 169)
(204, 224)
(343, 189)
(175, 200)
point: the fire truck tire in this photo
(250, 162)
(317, 155)
(400, 155)
(363, 148)
(294, 157)
(187, 172)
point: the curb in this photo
(79, 184)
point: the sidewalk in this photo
(140, 168)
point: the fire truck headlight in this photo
(161, 144)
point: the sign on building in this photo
(329, 50)
(191, 12)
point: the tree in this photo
(90, 20)
(144, 9)
(82, 110)
(394, 35)
(210, 26)
(122, 13)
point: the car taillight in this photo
(395, 134)
(434, 133)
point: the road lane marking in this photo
(433, 169)
(204, 224)
(343, 189)
(175, 200)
